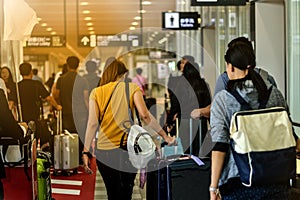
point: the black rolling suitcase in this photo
(178, 177)
(182, 179)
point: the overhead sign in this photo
(46, 41)
(162, 55)
(218, 2)
(133, 40)
(180, 20)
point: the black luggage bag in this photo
(182, 179)
(179, 177)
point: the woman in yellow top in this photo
(113, 163)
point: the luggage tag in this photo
(197, 160)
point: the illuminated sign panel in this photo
(218, 2)
(46, 41)
(180, 20)
(132, 40)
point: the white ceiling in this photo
(109, 17)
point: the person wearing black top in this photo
(8, 128)
(32, 93)
(190, 92)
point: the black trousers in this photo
(117, 172)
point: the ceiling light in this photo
(44, 24)
(49, 29)
(134, 23)
(142, 11)
(84, 3)
(131, 28)
(146, 3)
(92, 32)
(87, 18)
(39, 19)
(86, 12)
(137, 18)
(53, 33)
(89, 24)
(91, 28)
(164, 39)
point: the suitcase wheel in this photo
(75, 171)
(56, 173)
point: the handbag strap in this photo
(122, 145)
(108, 102)
(128, 102)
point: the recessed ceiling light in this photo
(84, 3)
(49, 29)
(142, 11)
(134, 23)
(89, 24)
(39, 19)
(91, 28)
(131, 28)
(92, 32)
(53, 33)
(86, 12)
(137, 18)
(87, 18)
(146, 2)
(44, 24)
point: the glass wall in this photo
(231, 22)
(293, 58)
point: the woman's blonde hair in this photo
(113, 71)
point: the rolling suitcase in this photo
(182, 179)
(176, 177)
(44, 190)
(66, 150)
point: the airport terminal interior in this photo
(149, 35)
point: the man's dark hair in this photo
(35, 71)
(25, 69)
(91, 66)
(240, 39)
(189, 58)
(139, 71)
(73, 62)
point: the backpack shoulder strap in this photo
(245, 105)
(263, 104)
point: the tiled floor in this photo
(100, 191)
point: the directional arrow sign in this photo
(84, 41)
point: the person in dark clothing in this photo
(50, 82)
(8, 128)
(32, 93)
(190, 92)
(72, 91)
(6, 75)
(92, 77)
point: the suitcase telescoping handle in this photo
(59, 122)
(68, 133)
(162, 155)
